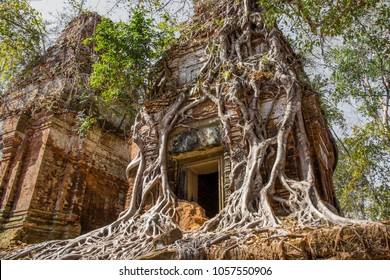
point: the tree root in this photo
(308, 243)
(235, 78)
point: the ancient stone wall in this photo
(56, 182)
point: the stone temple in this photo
(199, 161)
(56, 183)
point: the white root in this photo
(249, 206)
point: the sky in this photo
(50, 7)
(106, 8)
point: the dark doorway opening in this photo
(201, 181)
(208, 193)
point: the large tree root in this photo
(234, 78)
(361, 242)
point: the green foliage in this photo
(21, 37)
(311, 22)
(360, 70)
(85, 122)
(126, 54)
(362, 176)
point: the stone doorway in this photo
(208, 192)
(201, 181)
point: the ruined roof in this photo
(69, 56)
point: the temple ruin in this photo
(55, 182)
(199, 161)
(230, 123)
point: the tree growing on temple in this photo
(236, 76)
